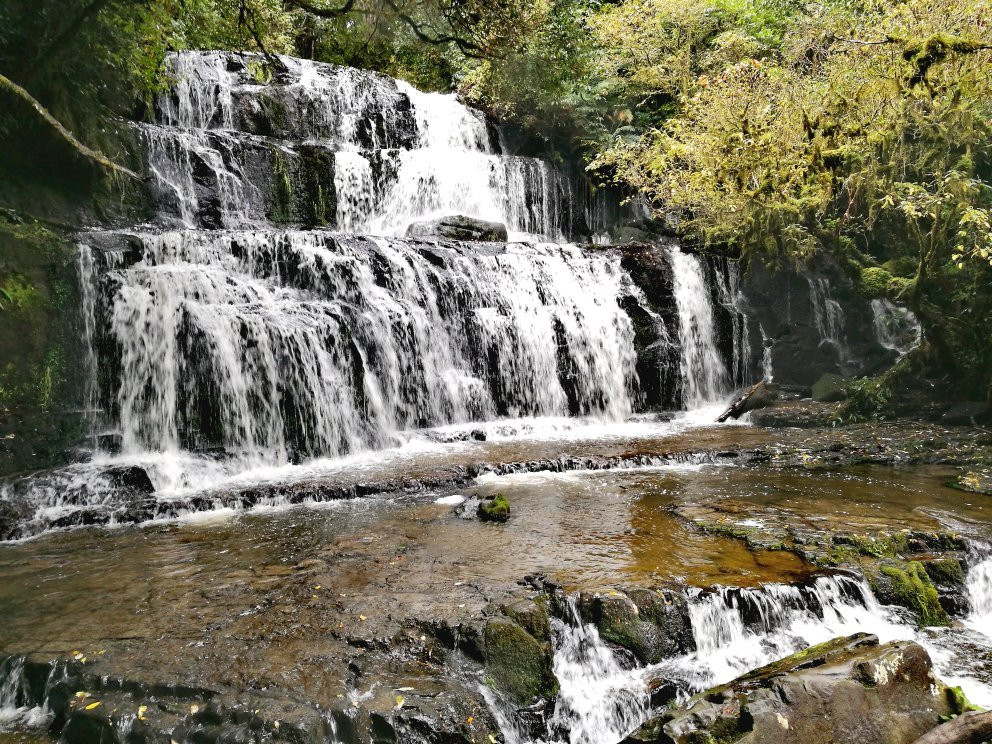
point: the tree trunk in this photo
(969, 728)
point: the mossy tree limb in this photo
(88, 153)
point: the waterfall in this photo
(295, 344)
(598, 701)
(978, 589)
(736, 630)
(274, 312)
(828, 316)
(236, 144)
(896, 328)
(704, 375)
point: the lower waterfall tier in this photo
(293, 345)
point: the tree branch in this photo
(321, 11)
(82, 149)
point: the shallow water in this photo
(220, 598)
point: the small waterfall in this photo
(599, 701)
(87, 300)
(767, 372)
(15, 708)
(978, 588)
(726, 280)
(736, 630)
(704, 375)
(828, 316)
(896, 328)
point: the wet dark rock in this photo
(804, 414)
(132, 478)
(518, 664)
(653, 624)
(12, 513)
(967, 413)
(846, 690)
(654, 316)
(459, 227)
(830, 388)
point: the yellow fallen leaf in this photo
(276, 724)
(82, 694)
(141, 712)
(492, 739)
(399, 701)
(91, 706)
(362, 618)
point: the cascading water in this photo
(704, 375)
(896, 328)
(238, 137)
(736, 630)
(598, 700)
(978, 589)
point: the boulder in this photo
(966, 413)
(653, 625)
(494, 509)
(846, 690)
(518, 664)
(459, 227)
(830, 388)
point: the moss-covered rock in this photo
(844, 690)
(517, 663)
(653, 625)
(875, 281)
(909, 586)
(532, 615)
(495, 509)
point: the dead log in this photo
(756, 396)
(968, 728)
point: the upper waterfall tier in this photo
(239, 143)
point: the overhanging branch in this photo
(64, 133)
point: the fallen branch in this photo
(968, 728)
(82, 149)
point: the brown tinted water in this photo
(414, 557)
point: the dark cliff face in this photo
(812, 321)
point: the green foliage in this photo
(802, 139)
(875, 281)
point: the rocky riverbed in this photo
(378, 610)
